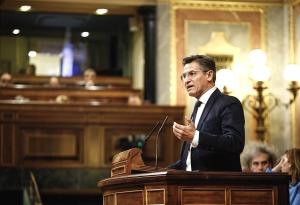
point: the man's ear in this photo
(209, 75)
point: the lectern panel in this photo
(135, 197)
(252, 196)
(6, 143)
(203, 196)
(155, 196)
(109, 199)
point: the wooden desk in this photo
(94, 93)
(100, 80)
(43, 134)
(201, 188)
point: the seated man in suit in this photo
(214, 137)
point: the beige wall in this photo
(296, 47)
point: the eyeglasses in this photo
(191, 74)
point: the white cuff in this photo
(195, 141)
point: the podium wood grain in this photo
(198, 188)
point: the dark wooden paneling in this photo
(203, 196)
(6, 143)
(52, 144)
(54, 135)
(155, 196)
(132, 197)
(109, 199)
(252, 196)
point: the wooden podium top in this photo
(185, 177)
(206, 188)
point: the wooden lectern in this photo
(198, 188)
(128, 162)
(174, 187)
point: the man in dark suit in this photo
(214, 137)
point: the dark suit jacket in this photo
(221, 136)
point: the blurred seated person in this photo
(258, 157)
(21, 98)
(134, 100)
(6, 80)
(31, 69)
(290, 163)
(62, 99)
(54, 82)
(22, 71)
(89, 76)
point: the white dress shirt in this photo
(203, 99)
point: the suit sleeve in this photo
(176, 165)
(225, 131)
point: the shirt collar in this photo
(204, 98)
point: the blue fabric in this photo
(294, 191)
(269, 170)
(295, 194)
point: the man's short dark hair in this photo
(206, 62)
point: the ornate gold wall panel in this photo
(254, 15)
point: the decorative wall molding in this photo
(225, 5)
(228, 14)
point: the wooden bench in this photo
(105, 94)
(99, 80)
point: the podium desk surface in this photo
(195, 177)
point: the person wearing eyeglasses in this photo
(214, 137)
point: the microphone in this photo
(156, 141)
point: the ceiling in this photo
(116, 7)
(76, 14)
(58, 15)
(35, 20)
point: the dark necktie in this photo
(194, 113)
(187, 144)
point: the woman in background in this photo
(290, 163)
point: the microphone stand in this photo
(156, 142)
(149, 135)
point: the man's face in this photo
(195, 80)
(260, 163)
(89, 78)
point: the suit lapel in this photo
(208, 107)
